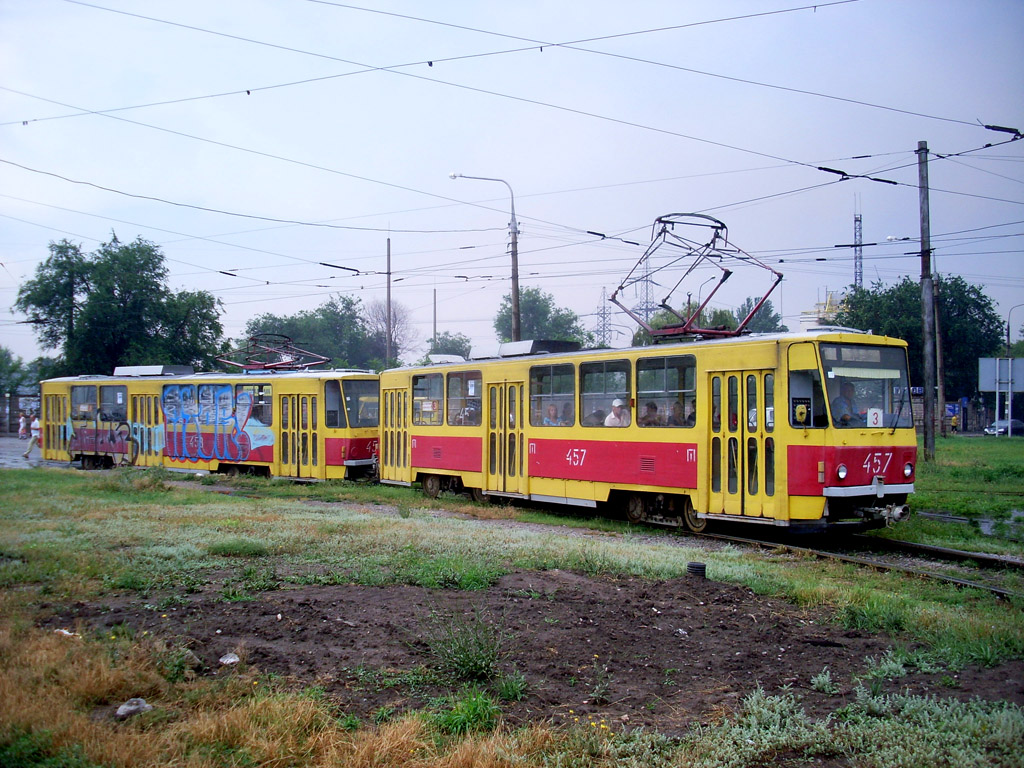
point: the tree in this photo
(540, 319)
(377, 329)
(969, 325)
(113, 308)
(335, 329)
(451, 344)
(13, 372)
(765, 321)
(54, 299)
(719, 318)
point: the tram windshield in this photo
(867, 386)
(361, 398)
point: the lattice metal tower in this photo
(644, 288)
(858, 251)
(603, 331)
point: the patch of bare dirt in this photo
(656, 654)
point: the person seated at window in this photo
(650, 417)
(844, 411)
(551, 420)
(567, 416)
(676, 417)
(619, 417)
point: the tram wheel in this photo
(478, 495)
(635, 512)
(432, 486)
(694, 523)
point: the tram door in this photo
(505, 464)
(299, 455)
(395, 447)
(742, 465)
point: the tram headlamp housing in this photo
(908, 469)
(841, 471)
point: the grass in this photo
(68, 536)
(975, 477)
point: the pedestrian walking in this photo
(955, 423)
(23, 426)
(35, 432)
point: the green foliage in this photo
(540, 319)
(767, 320)
(511, 686)
(12, 372)
(473, 711)
(451, 344)
(968, 323)
(238, 548)
(336, 329)
(466, 646)
(113, 307)
(35, 749)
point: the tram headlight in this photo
(908, 469)
(841, 471)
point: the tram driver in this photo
(844, 411)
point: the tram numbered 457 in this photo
(811, 430)
(807, 430)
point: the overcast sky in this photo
(310, 131)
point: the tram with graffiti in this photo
(301, 424)
(806, 430)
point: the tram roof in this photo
(143, 373)
(513, 351)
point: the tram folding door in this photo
(505, 464)
(299, 455)
(742, 465)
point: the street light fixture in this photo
(513, 228)
(1009, 326)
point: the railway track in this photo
(981, 560)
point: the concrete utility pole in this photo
(927, 304)
(387, 322)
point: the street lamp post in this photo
(1009, 325)
(513, 228)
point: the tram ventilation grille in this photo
(437, 453)
(647, 464)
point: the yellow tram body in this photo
(696, 438)
(309, 424)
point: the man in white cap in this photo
(619, 417)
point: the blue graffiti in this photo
(188, 409)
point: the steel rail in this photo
(876, 564)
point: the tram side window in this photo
(603, 384)
(465, 390)
(334, 416)
(552, 395)
(114, 403)
(806, 400)
(428, 400)
(258, 399)
(362, 402)
(666, 391)
(83, 403)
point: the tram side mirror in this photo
(800, 414)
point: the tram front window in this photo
(867, 386)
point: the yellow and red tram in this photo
(808, 430)
(301, 424)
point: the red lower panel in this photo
(672, 465)
(338, 450)
(463, 454)
(863, 464)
